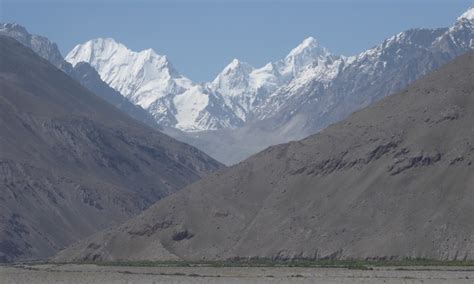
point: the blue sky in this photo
(201, 37)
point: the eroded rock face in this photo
(70, 163)
(393, 180)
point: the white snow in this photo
(301, 57)
(189, 106)
(244, 87)
(266, 77)
(468, 15)
(143, 77)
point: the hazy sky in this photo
(201, 37)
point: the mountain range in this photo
(150, 80)
(391, 181)
(282, 101)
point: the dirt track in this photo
(69, 273)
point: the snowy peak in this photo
(233, 84)
(468, 15)
(235, 69)
(244, 88)
(302, 56)
(270, 68)
(309, 46)
(459, 37)
(267, 76)
(97, 51)
(143, 76)
(236, 64)
(234, 75)
(100, 50)
(107, 48)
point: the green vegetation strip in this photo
(259, 262)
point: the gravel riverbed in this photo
(89, 273)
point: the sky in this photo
(201, 37)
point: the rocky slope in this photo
(393, 180)
(70, 163)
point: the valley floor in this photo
(89, 273)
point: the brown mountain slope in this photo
(393, 180)
(70, 163)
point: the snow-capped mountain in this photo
(307, 105)
(468, 15)
(301, 57)
(320, 72)
(234, 83)
(143, 76)
(150, 81)
(245, 88)
(459, 37)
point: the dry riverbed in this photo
(91, 273)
